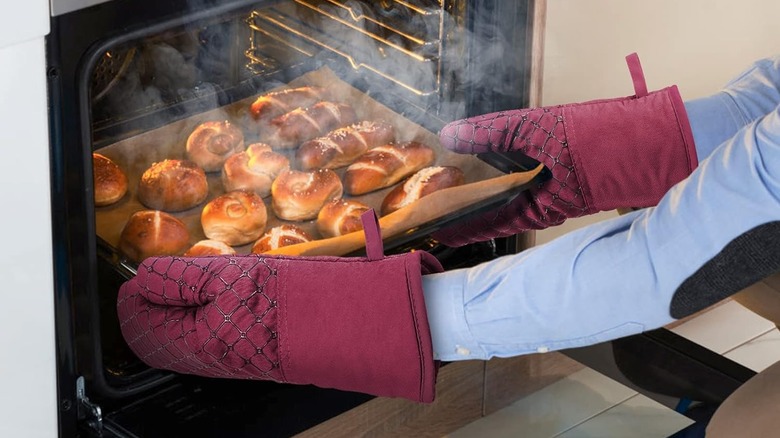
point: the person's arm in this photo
(710, 236)
(749, 96)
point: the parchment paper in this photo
(136, 154)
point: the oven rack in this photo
(406, 50)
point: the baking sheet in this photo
(136, 154)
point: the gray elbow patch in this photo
(749, 258)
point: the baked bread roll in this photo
(385, 165)
(340, 216)
(173, 185)
(254, 169)
(299, 196)
(209, 248)
(422, 183)
(342, 146)
(277, 237)
(109, 179)
(211, 143)
(236, 218)
(279, 102)
(153, 233)
(303, 124)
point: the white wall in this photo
(28, 391)
(697, 44)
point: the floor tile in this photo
(758, 353)
(724, 327)
(552, 410)
(637, 417)
(589, 404)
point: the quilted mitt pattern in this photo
(350, 323)
(211, 316)
(603, 154)
(539, 134)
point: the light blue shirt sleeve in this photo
(751, 95)
(614, 278)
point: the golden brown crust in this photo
(342, 146)
(303, 124)
(209, 247)
(421, 184)
(279, 102)
(212, 142)
(153, 233)
(236, 217)
(254, 169)
(341, 216)
(298, 196)
(386, 165)
(279, 236)
(110, 181)
(173, 185)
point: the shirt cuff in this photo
(450, 333)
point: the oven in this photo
(131, 80)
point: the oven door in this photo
(131, 79)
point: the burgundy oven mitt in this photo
(355, 324)
(604, 154)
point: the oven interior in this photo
(389, 47)
(141, 88)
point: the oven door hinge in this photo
(88, 410)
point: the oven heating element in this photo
(406, 52)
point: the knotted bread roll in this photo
(385, 165)
(342, 146)
(277, 103)
(341, 216)
(422, 183)
(212, 142)
(302, 124)
(254, 169)
(299, 196)
(236, 218)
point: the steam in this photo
(427, 59)
(183, 67)
(169, 77)
(424, 54)
(477, 67)
(393, 46)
